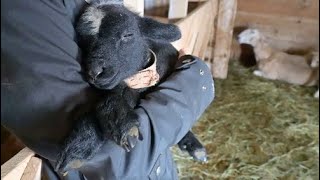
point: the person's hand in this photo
(145, 78)
(182, 52)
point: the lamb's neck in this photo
(262, 50)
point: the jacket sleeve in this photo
(165, 116)
(177, 103)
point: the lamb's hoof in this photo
(199, 155)
(75, 164)
(66, 165)
(130, 138)
(316, 95)
(257, 73)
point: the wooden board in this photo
(193, 29)
(135, 6)
(299, 8)
(283, 32)
(33, 170)
(205, 33)
(14, 168)
(178, 9)
(223, 37)
(151, 4)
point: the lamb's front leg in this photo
(81, 145)
(118, 120)
(193, 146)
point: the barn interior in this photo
(255, 128)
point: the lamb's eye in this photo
(127, 37)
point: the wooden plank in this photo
(212, 14)
(202, 32)
(282, 32)
(178, 9)
(223, 37)
(135, 6)
(299, 8)
(190, 28)
(210, 50)
(197, 0)
(14, 168)
(150, 4)
(205, 47)
(206, 28)
(33, 170)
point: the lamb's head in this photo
(116, 43)
(249, 36)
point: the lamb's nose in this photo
(94, 73)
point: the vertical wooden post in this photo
(223, 37)
(178, 9)
(135, 6)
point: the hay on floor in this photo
(256, 129)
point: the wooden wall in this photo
(288, 24)
(149, 4)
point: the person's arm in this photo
(177, 103)
(165, 116)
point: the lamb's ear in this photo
(90, 21)
(159, 31)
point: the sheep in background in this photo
(277, 65)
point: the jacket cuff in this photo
(184, 62)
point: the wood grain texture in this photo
(223, 37)
(283, 32)
(299, 8)
(287, 24)
(178, 9)
(33, 170)
(195, 28)
(14, 168)
(135, 6)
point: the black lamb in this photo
(116, 44)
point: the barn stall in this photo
(255, 128)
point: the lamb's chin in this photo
(105, 85)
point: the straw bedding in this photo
(256, 129)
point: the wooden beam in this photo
(193, 26)
(178, 9)
(135, 6)
(206, 26)
(197, 0)
(283, 32)
(298, 8)
(33, 170)
(14, 168)
(223, 37)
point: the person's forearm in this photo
(176, 104)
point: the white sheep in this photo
(277, 65)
